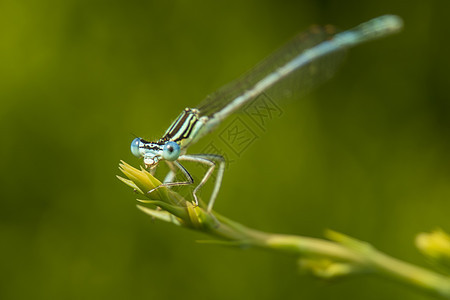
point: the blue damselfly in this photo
(305, 57)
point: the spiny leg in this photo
(218, 182)
(210, 160)
(188, 176)
(171, 174)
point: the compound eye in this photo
(171, 151)
(135, 147)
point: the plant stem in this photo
(342, 255)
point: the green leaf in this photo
(160, 215)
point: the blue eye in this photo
(171, 151)
(135, 147)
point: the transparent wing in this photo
(301, 64)
(296, 84)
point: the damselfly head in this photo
(154, 152)
(151, 152)
(135, 147)
(171, 151)
(150, 160)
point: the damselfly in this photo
(299, 63)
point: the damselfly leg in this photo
(210, 160)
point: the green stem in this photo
(341, 256)
(410, 274)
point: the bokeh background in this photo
(366, 153)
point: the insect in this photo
(303, 58)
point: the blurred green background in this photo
(369, 149)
